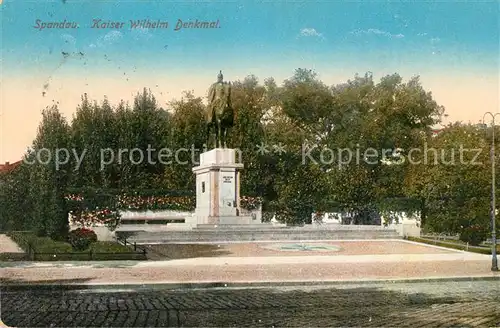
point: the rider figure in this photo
(219, 100)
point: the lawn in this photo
(46, 249)
(455, 244)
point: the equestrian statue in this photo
(220, 113)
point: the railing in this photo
(33, 254)
(137, 248)
(85, 256)
(151, 220)
(451, 244)
(440, 236)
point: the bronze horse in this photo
(220, 113)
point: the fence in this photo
(124, 242)
(32, 254)
(90, 255)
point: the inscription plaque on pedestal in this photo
(217, 188)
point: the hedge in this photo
(45, 249)
(93, 192)
(461, 247)
(108, 247)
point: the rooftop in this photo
(8, 167)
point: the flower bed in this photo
(250, 203)
(95, 218)
(141, 203)
(86, 213)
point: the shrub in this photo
(81, 238)
(475, 249)
(474, 235)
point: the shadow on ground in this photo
(9, 257)
(184, 251)
(62, 264)
(20, 285)
(327, 307)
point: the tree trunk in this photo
(423, 212)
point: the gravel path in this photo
(372, 247)
(411, 264)
(122, 273)
(8, 246)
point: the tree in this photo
(186, 142)
(379, 119)
(14, 195)
(50, 174)
(249, 99)
(299, 187)
(149, 125)
(94, 139)
(453, 179)
(335, 125)
(121, 145)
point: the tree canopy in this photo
(306, 146)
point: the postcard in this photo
(160, 160)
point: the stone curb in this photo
(212, 285)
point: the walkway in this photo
(226, 269)
(8, 246)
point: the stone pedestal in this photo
(218, 188)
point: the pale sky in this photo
(465, 99)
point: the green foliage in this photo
(14, 195)
(461, 247)
(81, 238)
(22, 238)
(47, 245)
(251, 101)
(362, 113)
(186, 142)
(30, 243)
(109, 247)
(46, 249)
(474, 235)
(47, 182)
(454, 189)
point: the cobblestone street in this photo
(437, 304)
